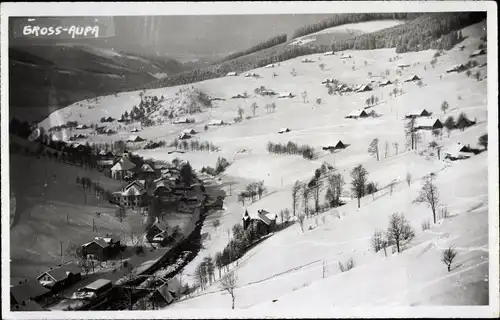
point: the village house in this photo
(329, 53)
(189, 131)
(157, 233)
(81, 127)
(338, 145)
(457, 68)
(135, 130)
(103, 154)
(102, 248)
(285, 95)
(412, 78)
(358, 113)
(163, 190)
(146, 173)
(216, 123)
(134, 138)
(478, 53)
(269, 65)
(458, 152)
(184, 136)
(60, 277)
(122, 168)
(133, 195)
(364, 88)
(182, 120)
(284, 130)
(263, 223)
(95, 289)
(27, 291)
(345, 56)
(418, 113)
(385, 83)
(231, 74)
(428, 124)
(168, 291)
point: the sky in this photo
(182, 37)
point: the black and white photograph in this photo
(250, 159)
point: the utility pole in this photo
(323, 268)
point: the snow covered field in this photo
(413, 277)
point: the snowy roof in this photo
(385, 82)
(457, 149)
(216, 122)
(123, 165)
(328, 53)
(189, 131)
(412, 77)
(28, 290)
(165, 293)
(134, 138)
(266, 217)
(416, 112)
(425, 122)
(285, 94)
(284, 130)
(363, 87)
(96, 285)
(356, 113)
(231, 73)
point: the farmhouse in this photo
(478, 52)
(96, 288)
(157, 233)
(305, 60)
(189, 131)
(133, 195)
(457, 68)
(428, 124)
(60, 277)
(458, 152)
(338, 145)
(184, 136)
(385, 83)
(27, 290)
(412, 78)
(364, 88)
(329, 53)
(182, 120)
(216, 123)
(263, 223)
(134, 138)
(285, 95)
(284, 130)
(418, 113)
(122, 168)
(102, 248)
(147, 173)
(231, 74)
(345, 56)
(239, 96)
(163, 190)
(358, 113)
(81, 127)
(463, 123)
(269, 65)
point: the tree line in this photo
(291, 148)
(263, 45)
(426, 31)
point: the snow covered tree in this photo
(373, 148)
(399, 231)
(448, 257)
(359, 177)
(445, 106)
(483, 141)
(449, 124)
(429, 194)
(295, 195)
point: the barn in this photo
(231, 74)
(363, 88)
(385, 83)
(417, 113)
(102, 248)
(458, 152)
(428, 124)
(412, 78)
(184, 136)
(60, 277)
(285, 95)
(262, 223)
(358, 113)
(216, 123)
(284, 130)
(338, 145)
(134, 138)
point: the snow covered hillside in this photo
(295, 266)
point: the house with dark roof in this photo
(262, 223)
(458, 152)
(133, 195)
(60, 277)
(168, 291)
(102, 248)
(358, 113)
(412, 78)
(417, 113)
(428, 124)
(337, 145)
(385, 83)
(27, 290)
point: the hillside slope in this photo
(264, 272)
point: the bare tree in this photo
(448, 257)
(306, 195)
(254, 107)
(260, 188)
(301, 218)
(399, 231)
(429, 194)
(335, 184)
(228, 284)
(396, 146)
(295, 195)
(359, 177)
(445, 106)
(373, 148)
(408, 178)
